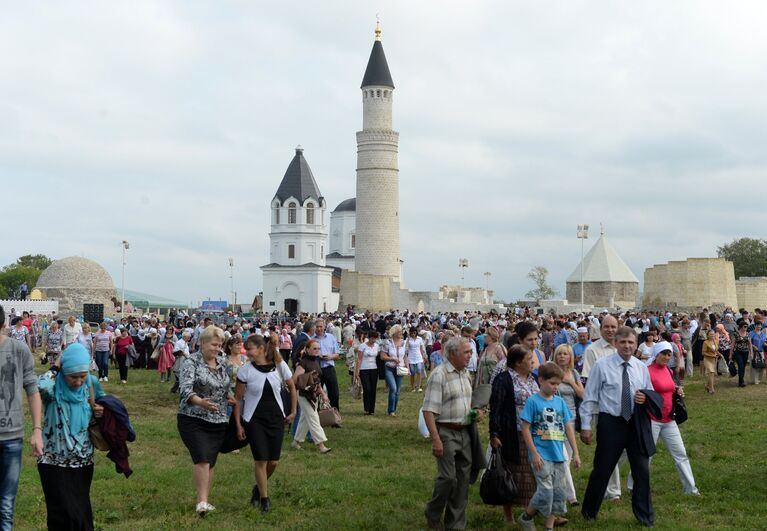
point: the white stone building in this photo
(343, 235)
(297, 278)
(76, 281)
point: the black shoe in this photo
(266, 503)
(254, 496)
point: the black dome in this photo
(349, 205)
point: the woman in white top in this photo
(262, 417)
(416, 352)
(86, 339)
(644, 352)
(366, 370)
(396, 359)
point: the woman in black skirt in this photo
(263, 416)
(202, 418)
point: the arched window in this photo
(354, 241)
(277, 215)
(378, 93)
(292, 213)
(310, 214)
(386, 93)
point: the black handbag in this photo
(757, 362)
(679, 410)
(732, 368)
(497, 486)
(231, 441)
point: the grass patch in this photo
(380, 472)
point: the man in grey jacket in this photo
(17, 373)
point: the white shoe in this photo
(106, 379)
(527, 525)
(210, 507)
(201, 508)
(124, 381)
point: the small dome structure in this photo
(75, 281)
(347, 205)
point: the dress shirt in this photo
(448, 394)
(71, 333)
(328, 347)
(605, 386)
(597, 350)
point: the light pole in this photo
(487, 280)
(125, 246)
(463, 263)
(583, 234)
(231, 279)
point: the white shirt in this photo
(369, 355)
(414, 346)
(472, 366)
(71, 333)
(597, 350)
(182, 346)
(255, 381)
(605, 387)
(394, 352)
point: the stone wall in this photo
(604, 294)
(751, 292)
(691, 283)
(71, 300)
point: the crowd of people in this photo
(241, 381)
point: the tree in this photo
(749, 255)
(37, 261)
(542, 290)
(13, 275)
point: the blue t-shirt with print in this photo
(547, 420)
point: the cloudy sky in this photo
(171, 124)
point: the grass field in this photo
(380, 472)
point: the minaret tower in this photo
(377, 239)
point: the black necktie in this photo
(626, 393)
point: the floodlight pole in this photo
(583, 234)
(231, 280)
(125, 246)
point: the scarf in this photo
(73, 403)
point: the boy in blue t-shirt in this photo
(546, 420)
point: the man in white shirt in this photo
(71, 330)
(614, 387)
(602, 347)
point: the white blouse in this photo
(254, 381)
(369, 355)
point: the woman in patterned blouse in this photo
(202, 416)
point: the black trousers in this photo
(122, 363)
(740, 361)
(67, 497)
(330, 380)
(614, 434)
(369, 379)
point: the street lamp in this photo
(463, 263)
(125, 246)
(231, 279)
(487, 280)
(583, 234)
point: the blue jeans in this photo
(10, 467)
(102, 362)
(394, 383)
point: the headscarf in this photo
(76, 410)
(720, 331)
(657, 349)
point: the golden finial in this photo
(378, 28)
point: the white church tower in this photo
(296, 279)
(377, 250)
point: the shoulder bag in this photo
(356, 389)
(497, 486)
(757, 362)
(329, 416)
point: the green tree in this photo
(749, 255)
(13, 275)
(38, 261)
(542, 289)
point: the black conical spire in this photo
(377, 72)
(298, 181)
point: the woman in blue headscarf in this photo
(66, 467)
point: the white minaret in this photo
(377, 224)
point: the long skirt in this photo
(523, 476)
(67, 496)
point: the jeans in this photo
(394, 383)
(10, 468)
(669, 432)
(740, 361)
(102, 362)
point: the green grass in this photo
(380, 472)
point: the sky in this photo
(171, 124)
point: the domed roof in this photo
(75, 272)
(349, 205)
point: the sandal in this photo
(560, 520)
(326, 450)
(296, 445)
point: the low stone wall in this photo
(604, 294)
